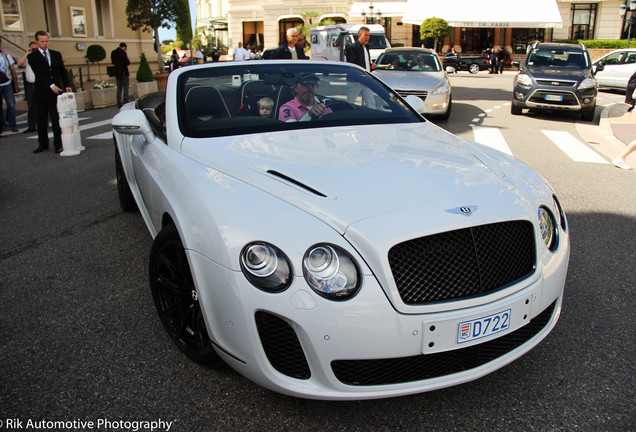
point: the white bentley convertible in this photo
(315, 233)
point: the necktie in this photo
(46, 56)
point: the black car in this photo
(556, 76)
(470, 63)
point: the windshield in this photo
(256, 97)
(409, 61)
(558, 58)
(376, 41)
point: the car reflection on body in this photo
(357, 254)
(417, 72)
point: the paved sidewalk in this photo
(619, 127)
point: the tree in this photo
(436, 28)
(95, 54)
(182, 21)
(149, 15)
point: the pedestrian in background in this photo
(199, 56)
(48, 68)
(289, 49)
(358, 53)
(630, 92)
(119, 59)
(240, 53)
(174, 60)
(29, 87)
(501, 59)
(7, 89)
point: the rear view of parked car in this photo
(556, 76)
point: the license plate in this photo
(555, 98)
(448, 331)
(483, 327)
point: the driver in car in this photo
(305, 106)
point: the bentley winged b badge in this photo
(463, 210)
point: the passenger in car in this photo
(305, 106)
(265, 107)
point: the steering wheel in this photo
(338, 105)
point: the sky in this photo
(171, 33)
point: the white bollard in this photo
(69, 123)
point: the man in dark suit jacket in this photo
(358, 53)
(120, 61)
(289, 50)
(48, 68)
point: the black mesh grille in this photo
(281, 346)
(467, 262)
(421, 367)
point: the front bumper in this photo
(300, 344)
(554, 98)
(435, 104)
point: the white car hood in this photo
(343, 175)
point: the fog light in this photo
(587, 100)
(519, 95)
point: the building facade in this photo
(507, 24)
(74, 25)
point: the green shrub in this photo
(95, 53)
(144, 74)
(597, 43)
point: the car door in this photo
(611, 62)
(626, 69)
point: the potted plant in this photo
(104, 94)
(145, 82)
(95, 54)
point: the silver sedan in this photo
(418, 72)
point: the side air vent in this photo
(296, 183)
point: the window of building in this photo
(583, 19)
(253, 35)
(11, 15)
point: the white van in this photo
(330, 42)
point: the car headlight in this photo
(331, 272)
(547, 228)
(442, 89)
(266, 267)
(524, 80)
(587, 83)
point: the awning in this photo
(387, 9)
(486, 13)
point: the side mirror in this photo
(450, 69)
(516, 64)
(133, 122)
(416, 103)
(598, 67)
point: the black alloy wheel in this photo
(176, 298)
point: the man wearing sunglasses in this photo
(305, 106)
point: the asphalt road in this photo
(80, 339)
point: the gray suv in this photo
(556, 76)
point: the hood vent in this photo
(296, 183)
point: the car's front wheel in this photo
(588, 114)
(176, 298)
(474, 68)
(515, 110)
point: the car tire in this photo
(447, 114)
(515, 110)
(126, 198)
(176, 298)
(588, 114)
(473, 68)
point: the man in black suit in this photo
(289, 50)
(48, 68)
(120, 61)
(358, 53)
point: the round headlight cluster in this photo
(266, 267)
(328, 269)
(331, 272)
(548, 228)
